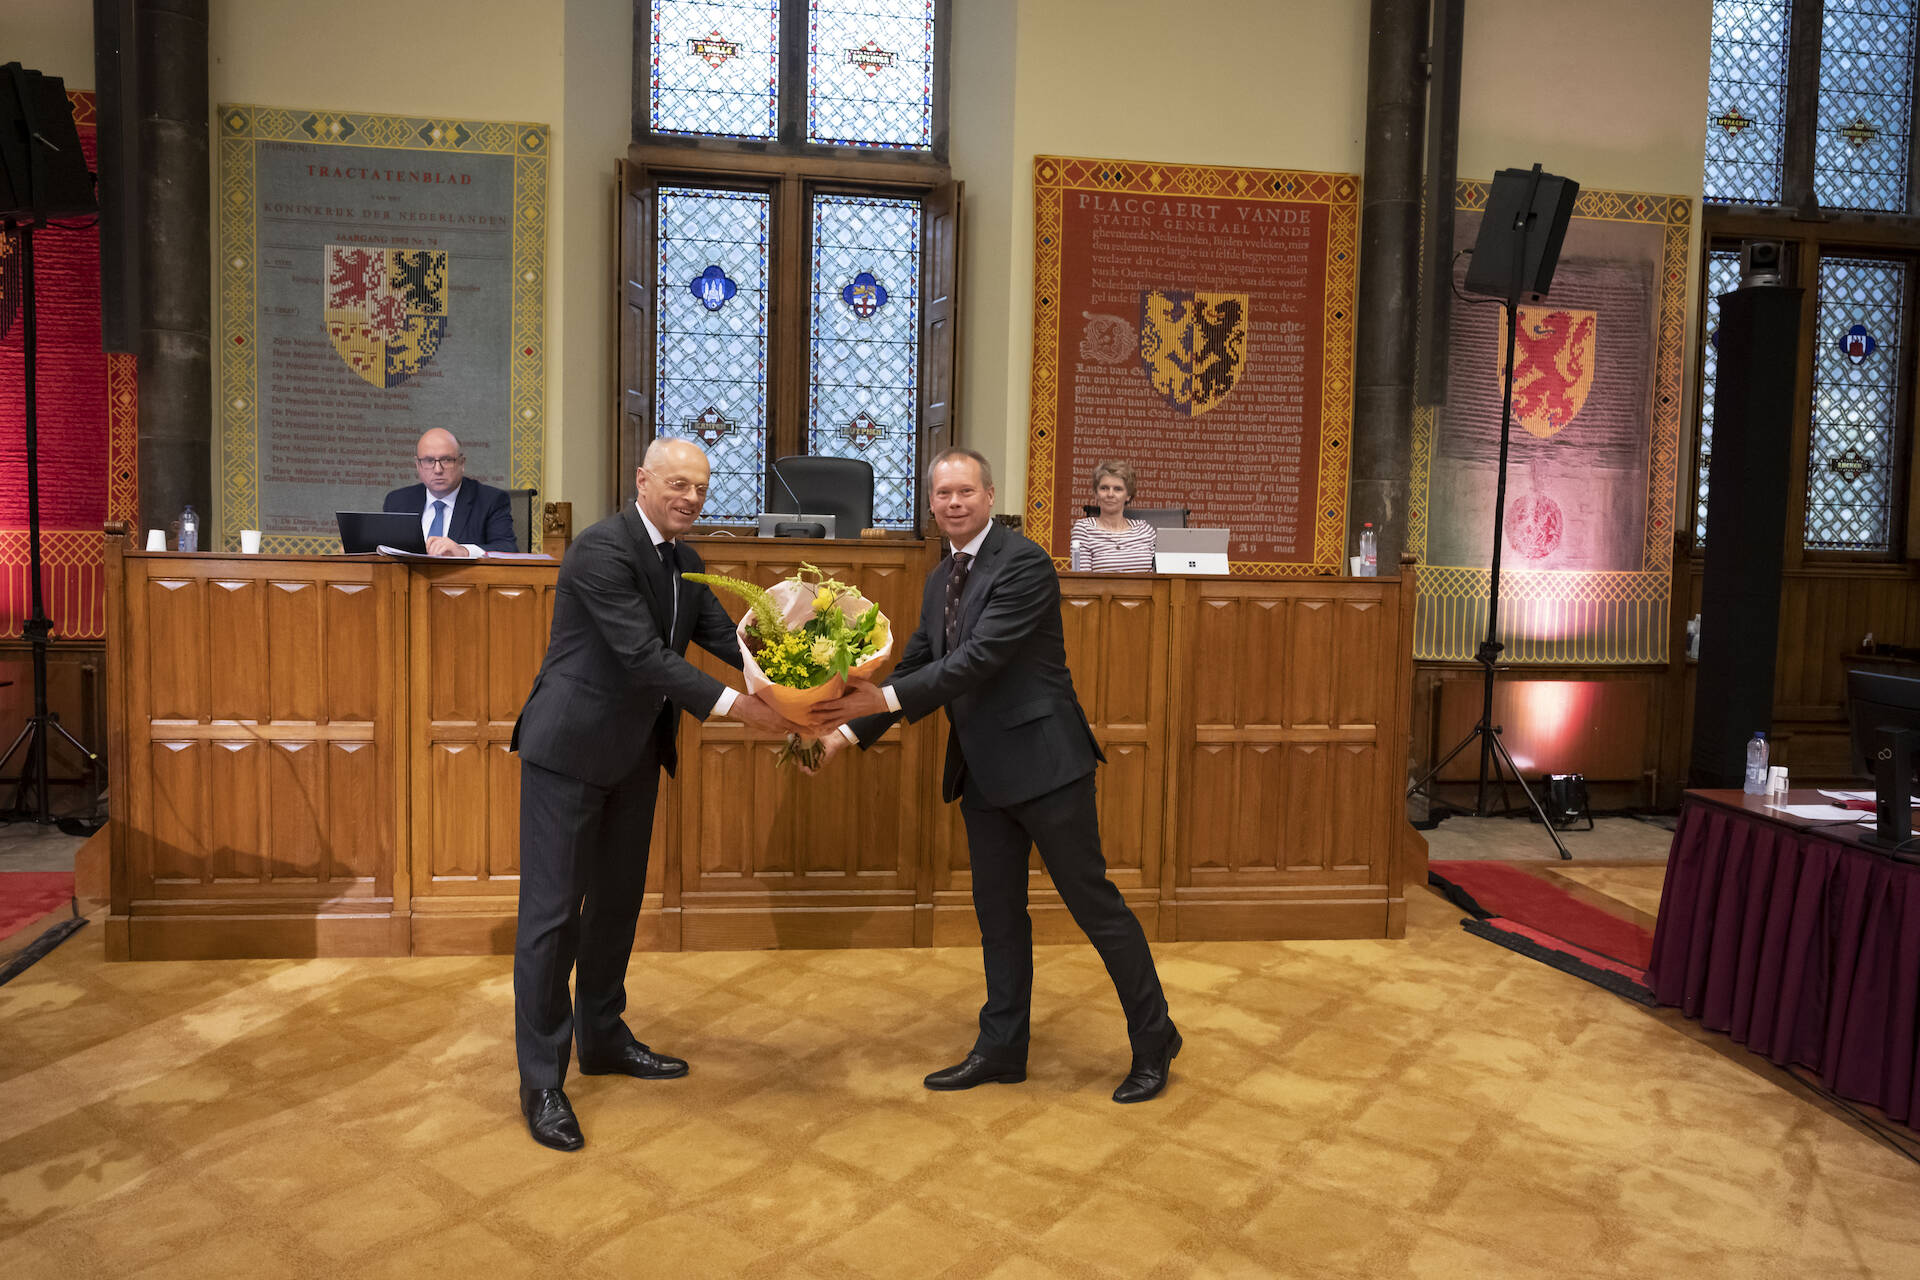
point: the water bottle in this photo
(1369, 552)
(189, 530)
(1757, 765)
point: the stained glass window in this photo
(870, 73)
(716, 67)
(864, 400)
(1723, 276)
(1746, 101)
(1856, 370)
(1866, 100)
(710, 338)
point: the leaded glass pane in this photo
(716, 67)
(864, 400)
(1866, 101)
(1856, 371)
(710, 343)
(1723, 276)
(1746, 101)
(870, 73)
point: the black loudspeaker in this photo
(43, 172)
(1753, 397)
(1543, 218)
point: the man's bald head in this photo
(671, 449)
(439, 462)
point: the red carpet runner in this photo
(25, 896)
(1525, 913)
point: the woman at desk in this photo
(1109, 542)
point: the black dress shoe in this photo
(1149, 1075)
(550, 1119)
(975, 1070)
(634, 1060)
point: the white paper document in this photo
(1847, 795)
(1823, 812)
(415, 556)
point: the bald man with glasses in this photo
(458, 516)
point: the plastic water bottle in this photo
(1369, 552)
(1757, 765)
(189, 530)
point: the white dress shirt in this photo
(972, 548)
(728, 694)
(426, 521)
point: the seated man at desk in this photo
(458, 516)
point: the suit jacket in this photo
(1015, 728)
(482, 514)
(614, 680)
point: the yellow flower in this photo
(822, 651)
(823, 600)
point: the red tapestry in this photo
(88, 430)
(1197, 321)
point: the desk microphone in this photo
(779, 475)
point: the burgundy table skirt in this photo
(1803, 949)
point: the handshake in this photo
(814, 737)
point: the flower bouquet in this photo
(801, 639)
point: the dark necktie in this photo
(670, 557)
(956, 583)
(439, 529)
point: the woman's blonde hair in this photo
(1121, 471)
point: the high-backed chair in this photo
(815, 484)
(1158, 517)
(526, 521)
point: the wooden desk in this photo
(315, 762)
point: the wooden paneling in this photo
(258, 730)
(334, 777)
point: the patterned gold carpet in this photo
(1433, 1107)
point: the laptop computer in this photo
(1190, 550)
(365, 531)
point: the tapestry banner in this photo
(1586, 569)
(87, 421)
(1196, 321)
(379, 275)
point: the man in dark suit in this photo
(1020, 759)
(458, 516)
(597, 728)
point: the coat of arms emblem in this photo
(386, 309)
(1194, 346)
(1553, 365)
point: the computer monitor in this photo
(837, 487)
(1878, 700)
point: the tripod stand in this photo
(44, 172)
(1485, 731)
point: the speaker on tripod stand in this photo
(43, 175)
(1515, 254)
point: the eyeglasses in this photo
(440, 463)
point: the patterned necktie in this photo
(439, 527)
(956, 583)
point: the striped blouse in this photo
(1105, 551)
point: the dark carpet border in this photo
(1458, 896)
(1602, 978)
(40, 947)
